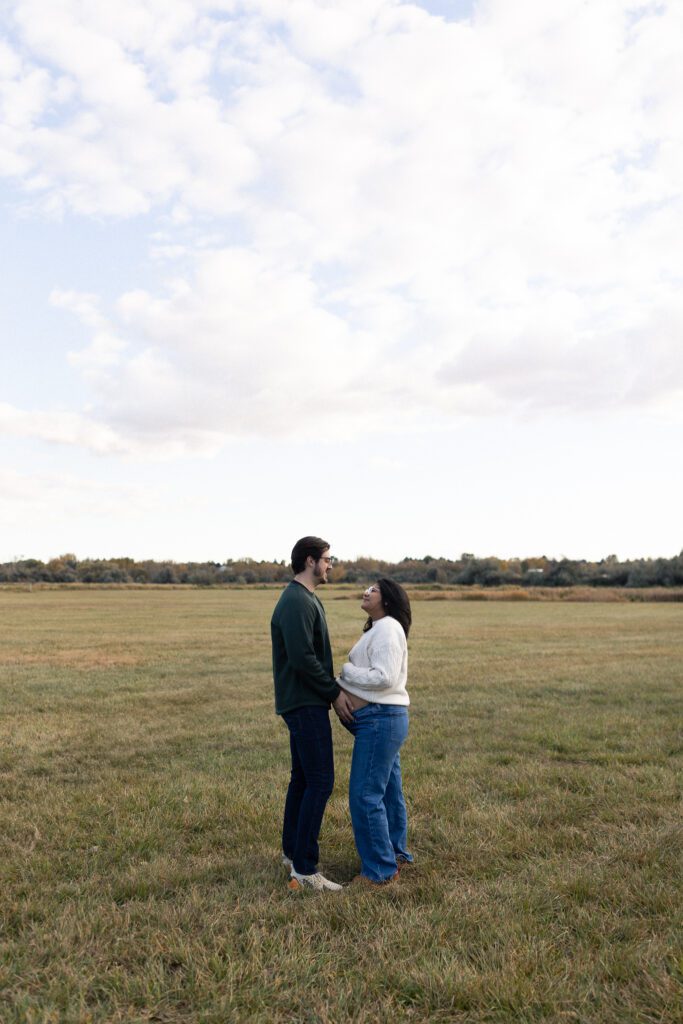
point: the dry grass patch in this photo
(81, 658)
(141, 793)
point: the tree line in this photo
(468, 570)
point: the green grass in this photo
(142, 778)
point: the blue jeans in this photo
(310, 785)
(378, 809)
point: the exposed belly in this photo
(356, 702)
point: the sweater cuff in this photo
(351, 672)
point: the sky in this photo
(406, 276)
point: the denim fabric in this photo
(378, 809)
(311, 783)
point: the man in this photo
(304, 689)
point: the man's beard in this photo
(320, 574)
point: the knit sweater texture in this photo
(377, 669)
(302, 655)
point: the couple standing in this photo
(371, 701)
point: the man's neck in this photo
(306, 581)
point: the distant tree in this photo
(466, 571)
(165, 574)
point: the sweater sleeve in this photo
(297, 624)
(385, 666)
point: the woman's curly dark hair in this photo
(396, 603)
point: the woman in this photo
(375, 679)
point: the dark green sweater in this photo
(302, 656)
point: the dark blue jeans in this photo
(310, 785)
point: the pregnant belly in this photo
(356, 702)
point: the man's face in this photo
(322, 567)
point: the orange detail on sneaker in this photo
(316, 881)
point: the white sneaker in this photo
(316, 881)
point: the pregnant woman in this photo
(375, 678)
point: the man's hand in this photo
(343, 707)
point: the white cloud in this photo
(152, 130)
(59, 427)
(436, 218)
(234, 351)
(68, 509)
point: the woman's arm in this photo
(385, 667)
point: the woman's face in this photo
(372, 602)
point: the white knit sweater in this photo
(377, 669)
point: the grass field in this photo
(142, 777)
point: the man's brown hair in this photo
(307, 546)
